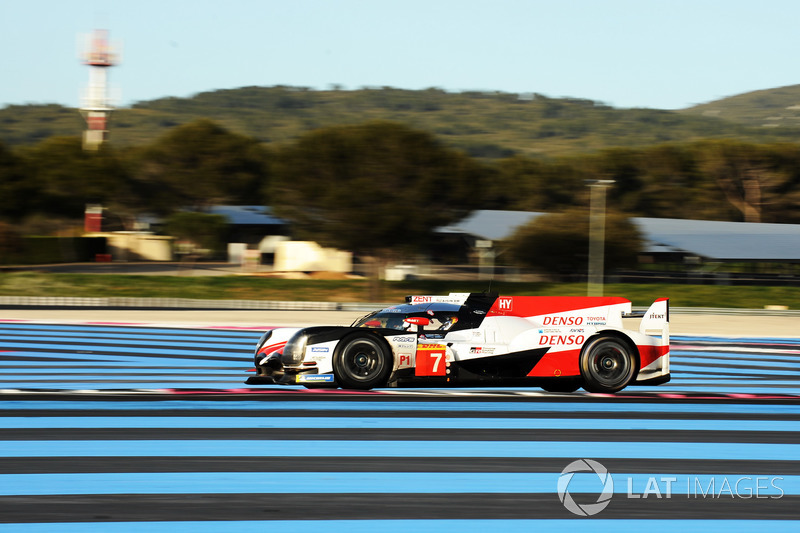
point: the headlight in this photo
(263, 340)
(295, 350)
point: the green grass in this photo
(257, 288)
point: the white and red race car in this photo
(477, 339)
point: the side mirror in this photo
(417, 320)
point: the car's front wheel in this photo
(607, 365)
(362, 363)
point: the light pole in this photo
(597, 234)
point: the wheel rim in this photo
(610, 365)
(363, 360)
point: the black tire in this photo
(363, 363)
(562, 386)
(607, 365)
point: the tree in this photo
(374, 187)
(558, 243)
(531, 185)
(10, 244)
(16, 191)
(66, 177)
(201, 230)
(746, 173)
(202, 164)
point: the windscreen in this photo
(441, 317)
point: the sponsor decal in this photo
(315, 378)
(431, 360)
(566, 340)
(405, 340)
(505, 304)
(656, 316)
(421, 299)
(562, 321)
(320, 349)
(481, 350)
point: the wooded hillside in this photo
(484, 125)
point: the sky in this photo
(664, 54)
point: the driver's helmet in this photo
(449, 322)
(396, 322)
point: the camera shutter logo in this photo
(587, 509)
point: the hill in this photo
(487, 125)
(777, 109)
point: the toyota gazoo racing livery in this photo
(477, 339)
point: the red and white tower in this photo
(96, 104)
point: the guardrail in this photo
(9, 302)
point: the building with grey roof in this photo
(707, 239)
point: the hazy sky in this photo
(664, 54)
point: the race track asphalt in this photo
(722, 438)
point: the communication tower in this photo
(96, 104)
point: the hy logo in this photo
(587, 509)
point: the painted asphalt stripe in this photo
(444, 465)
(98, 372)
(592, 525)
(390, 448)
(749, 374)
(44, 410)
(409, 406)
(124, 349)
(113, 342)
(744, 366)
(281, 422)
(119, 376)
(17, 357)
(71, 336)
(111, 384)
(195, 332)
(746, 355)
(744, 381)
(739, 340)
(389, 482)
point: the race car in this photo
(477, 339)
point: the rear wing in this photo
(655, 321)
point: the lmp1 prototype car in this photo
(476, 339)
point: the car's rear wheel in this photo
(362, 363)
(607, 365)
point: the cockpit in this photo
(413, 318)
